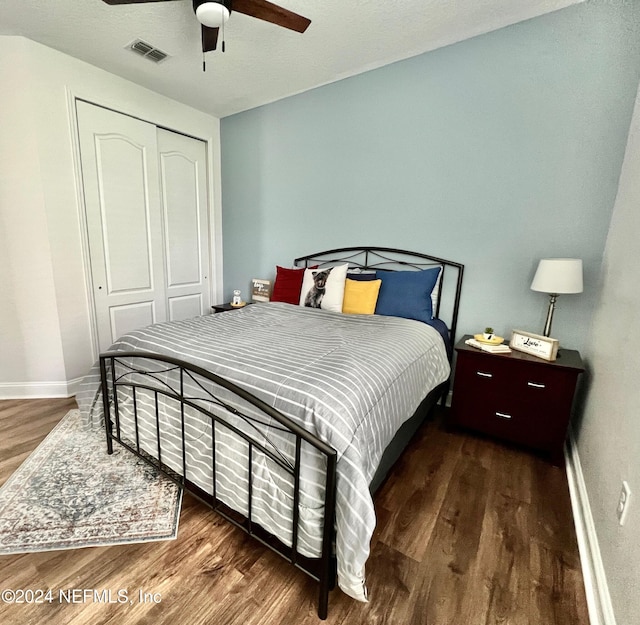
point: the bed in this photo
(284, 418)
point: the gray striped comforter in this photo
(351, 380)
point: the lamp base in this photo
(552, 306)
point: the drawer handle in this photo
(502, 415)
(484, 375)
(536, 385)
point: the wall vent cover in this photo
(147, 50)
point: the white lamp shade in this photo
(558, 275)
(212, 14)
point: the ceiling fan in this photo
(213, 14)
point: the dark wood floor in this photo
(469, 533)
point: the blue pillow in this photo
(407, 293)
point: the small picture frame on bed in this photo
(260, 290)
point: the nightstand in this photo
(516, 397)
(218, 308)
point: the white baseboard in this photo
(595, 579)
(38, 390)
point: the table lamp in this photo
(557, 276)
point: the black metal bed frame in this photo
(120, 370)
(173, 380)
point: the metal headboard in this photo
(390, 259)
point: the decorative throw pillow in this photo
(324, 288)
(361, 276)
(287, 285)
(435, 293)
(360, 296)
(407, 293)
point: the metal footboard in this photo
(222, 406)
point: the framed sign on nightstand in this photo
(534, 344)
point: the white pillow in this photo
(436, 292)
(324, 288)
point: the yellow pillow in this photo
(360, 297)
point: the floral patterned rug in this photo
(70, 493)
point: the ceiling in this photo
(262, 62)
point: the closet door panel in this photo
(130, 317)
(185, 306)
(124, 214)
(119, 157)
(184, 193)
(180, 186)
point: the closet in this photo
(145, 197)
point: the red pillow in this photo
(288, 285)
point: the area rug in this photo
(69, 493)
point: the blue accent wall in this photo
(493, 152)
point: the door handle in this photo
(484, 375)
(502, 415)
(535, 385)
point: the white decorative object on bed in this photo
(324, 288)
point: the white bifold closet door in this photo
(145, 192)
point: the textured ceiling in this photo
(262, 62)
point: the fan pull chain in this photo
(204, 62)
(223, 36)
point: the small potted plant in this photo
(488, 334)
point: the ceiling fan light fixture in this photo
(212, 14)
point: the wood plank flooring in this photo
(469, 533)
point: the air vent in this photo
(148, 51)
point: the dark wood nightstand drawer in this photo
(539, 384)
(515, 421)
(515, 397)
(481, 377)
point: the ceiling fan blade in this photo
(209, 38)
(115, 2)
(270, 12)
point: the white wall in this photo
(30, 344)
(608, 436)
(44, 320)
